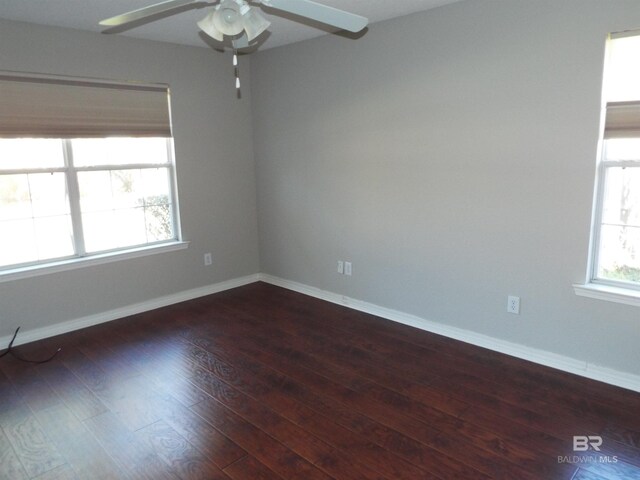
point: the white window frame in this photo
(604, 165)
(81, 258)
(601, 288)
(596, 287)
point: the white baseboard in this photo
(560, 362)
(28, 336)
(542, 357)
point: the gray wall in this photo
(450, 155)
(215, 171)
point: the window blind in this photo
(49, 107)
(622, 120)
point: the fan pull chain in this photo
(236, 69)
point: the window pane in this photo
(95, 191)
(26, 153)
(619, 255)
(156, 186)
(33, 195)
(48, 194)
(54, 237)
(34, 217)
(126, 188)
(20, 245)
(158, 206)
(619, 250)
(15, 199)
(106, 190)
(123, 208)
(34, 239)
(100, 231)
(621, 202)
(114, 229)
(158, 223)
(89, 152)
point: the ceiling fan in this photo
(240, 20)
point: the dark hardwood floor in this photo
(263, 383)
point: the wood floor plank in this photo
(64, 472)
(249, 468)
(33, 389)
(76, 396)
(132, 456)
(327, 457)
(10, 466)
(77, 445)
(624, 452)
(265, 448)
(126, 396)
(32, 446)
(13, 407)
(164, 367)
(209, 441)
(586, 475)
(610, 469)
(184, 459)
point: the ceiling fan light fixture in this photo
(254, 23)
(227, 18)
(207, 25)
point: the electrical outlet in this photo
(513, 305)
(340, 266)
(207, 259)
(347, 268)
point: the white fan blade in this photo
(145, 12)
(321, 13)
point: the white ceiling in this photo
(181, 28)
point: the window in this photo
(616, 236)
(85, 170)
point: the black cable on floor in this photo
(13, 353)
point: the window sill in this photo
(75, 263)
(626, 296)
